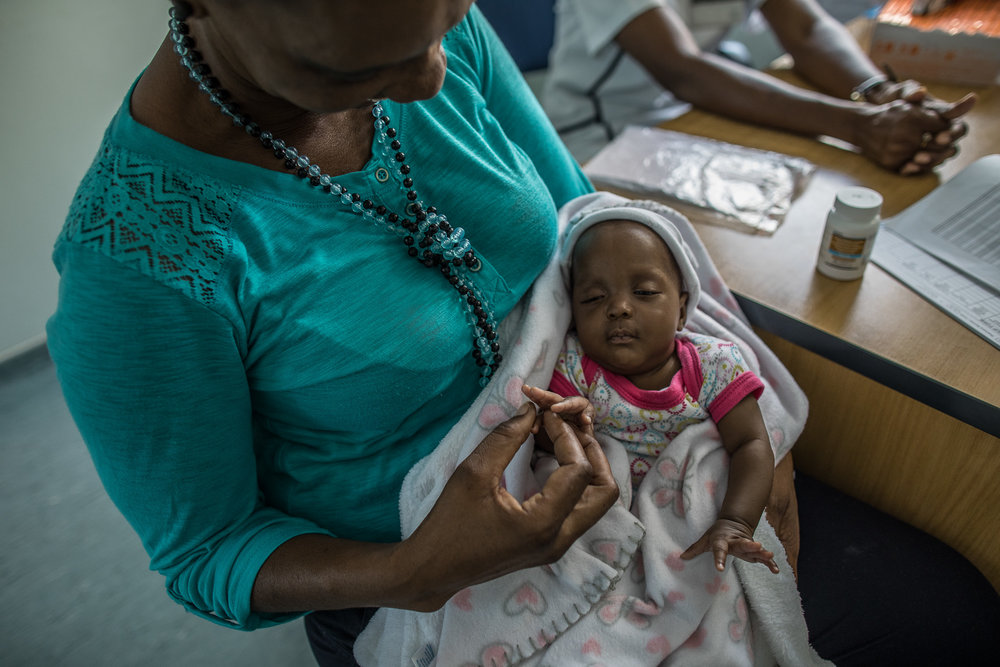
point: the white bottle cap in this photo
(857, 204)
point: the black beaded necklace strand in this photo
(440, 245)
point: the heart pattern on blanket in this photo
(716, 586)
(674, 561)
(738, 626)
(525, 598)
(658, 645)
(495, 655)
(461, 599)
(696, 639)
(607, 550)
(611, 609)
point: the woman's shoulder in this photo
(156, 217)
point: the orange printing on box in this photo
(963, 16)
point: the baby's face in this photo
(627, 299)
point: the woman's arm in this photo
(156, 385)
(476, 531)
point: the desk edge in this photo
(930, 392)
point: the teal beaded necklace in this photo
(427, 234)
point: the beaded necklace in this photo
(427, 234)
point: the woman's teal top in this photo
(249, 360)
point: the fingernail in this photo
(523, 410)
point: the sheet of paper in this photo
(964, 299)
(959, 222)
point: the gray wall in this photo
(65, 66)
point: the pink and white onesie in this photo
(712, 379)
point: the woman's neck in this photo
(169, 102)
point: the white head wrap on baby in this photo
(580, 214)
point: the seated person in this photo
(636, 62)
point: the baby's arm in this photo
(751, 469)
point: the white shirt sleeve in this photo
(601, 20)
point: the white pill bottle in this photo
(851, 226)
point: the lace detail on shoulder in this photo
(169, 225)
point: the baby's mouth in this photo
(621, 336)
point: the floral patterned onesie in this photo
(713, 378)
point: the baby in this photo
(632, 284)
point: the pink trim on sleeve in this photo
(590, 368)
(561, 385)
(743, 385)
(690, 365)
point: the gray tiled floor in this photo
(75, 588)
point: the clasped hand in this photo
(478, 531)
(910, 131)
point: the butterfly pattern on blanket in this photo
(621, 595)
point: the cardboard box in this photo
(959, 44)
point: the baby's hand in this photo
(576, 410)
(734, 538)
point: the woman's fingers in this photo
(488, 531)
(583, 478)
(577, 408)
(492, 456)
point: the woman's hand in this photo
(733, 538)
(477, 531)
(575, 409)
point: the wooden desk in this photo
(905, 401)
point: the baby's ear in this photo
(682, 320)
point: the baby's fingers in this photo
(719, 548)
(699, 547)
(754, 552)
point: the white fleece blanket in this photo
(621, 595)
